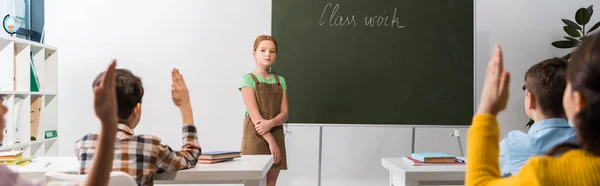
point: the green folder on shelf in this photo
(33, 82)
(50, 134)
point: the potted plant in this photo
(576, 32)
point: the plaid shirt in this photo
(142, 156)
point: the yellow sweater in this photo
(575, 167)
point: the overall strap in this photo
(276, 79)
(254, 78)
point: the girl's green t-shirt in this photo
(247, 81)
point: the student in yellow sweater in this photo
(565, 164)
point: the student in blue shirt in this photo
(544, 88)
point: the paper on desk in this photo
(37, 164)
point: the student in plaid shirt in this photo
(142, 156)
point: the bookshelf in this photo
(33, 110)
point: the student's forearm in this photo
(103, 159)
(280, 119)
(171, 160)
(187, 115)
(255, 118)
(269, 138)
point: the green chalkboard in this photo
(376, 61)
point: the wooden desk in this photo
(402, 174)
(249, 170)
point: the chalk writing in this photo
(373, 21)
(330, 17)
(334, 19)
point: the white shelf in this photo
(30, 114)
(20, 41)
(17, 145)
(26, 93)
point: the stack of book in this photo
(432, 158)
(218, 156)
(14, 158)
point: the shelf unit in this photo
(18, 59)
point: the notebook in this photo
(11, 153)
(18, 161)
(413, 162)
(211, 161)
(10, 156)
(219, 155)
(433, 157)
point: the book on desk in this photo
(432, 159)
(14, 158)
(218, 156)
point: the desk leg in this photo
(397, 181)
(391, 179)
(261, 182)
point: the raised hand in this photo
(105, 101)
(105, 105)
(179, 91)
(494, 96)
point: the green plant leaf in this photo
(571, 31)
(590, 10)
(572, 40)
(582, 16)
(571, 24)
(594, 27)
(564, 44)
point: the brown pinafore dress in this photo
(268, 97)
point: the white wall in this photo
(525, 30)
(211, 43)
(3, 11)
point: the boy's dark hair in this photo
(546, 80)
(129, 91)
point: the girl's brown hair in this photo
(264, 38)
(583, 72)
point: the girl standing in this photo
(265, 97)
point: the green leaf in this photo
(572, 40)
(564, 44)
(594, 27)
(571, 31)
(582, 16)
(590, 10)
(571, 24)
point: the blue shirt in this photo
(517, 147)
